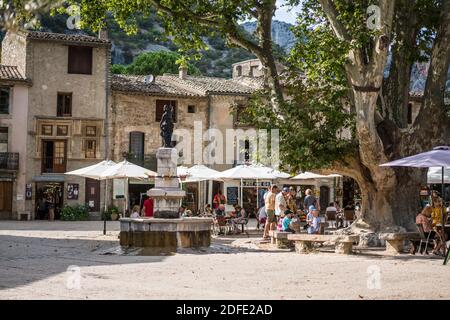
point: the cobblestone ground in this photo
(74, 260)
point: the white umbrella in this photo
(182, 171)
(308, 175)
(435, 175)
(200, 171)
(94, 171)
(126, 170)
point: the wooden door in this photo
(6, 196)
(93, 194)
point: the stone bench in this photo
(304, 242)
(395, 241)
(279, 238)
(26, 214)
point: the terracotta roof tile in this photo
(137, 84)
(74, 38)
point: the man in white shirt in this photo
(280, 202)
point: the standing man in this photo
(269, 200)
(310, 200)
(147, 208)
(280, 202)
(219, 199)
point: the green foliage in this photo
(156, 63)
(109, 212)
(75, 213)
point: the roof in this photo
(211, 85)
(172, 85)
(68, 38)
(10, 73)
(137, 84)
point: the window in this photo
(80, 60)
(4, 100)
(137, 145)
(91, 131)
(3, 139)
(62, 130)
(47, 130)
(409, 114)
(64, 105)
(160, 109)
(91, 146)
(239, 71)
(253, 70)
(191, 109)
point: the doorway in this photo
(92, 198)
(6, 188)
(49, 194)
(53, 156)
(324, 198)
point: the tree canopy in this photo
(155, 63)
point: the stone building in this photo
(200, 103)
(13, 148)
(64, 128)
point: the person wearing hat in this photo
(280, 202)
(286, 224)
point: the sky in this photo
(284, 14)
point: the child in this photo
(287, 221)
(135, 212)
(314, 227)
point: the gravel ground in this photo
(35, 257)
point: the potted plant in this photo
(114, 213)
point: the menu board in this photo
(232, 195)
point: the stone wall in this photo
(130, 112)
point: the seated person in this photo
(262, 216)
(220, 211)
(238, 217)
(314, 227)
(424, 219)
(331, 208)
(286, 224)
(208, 211)
(135, 212)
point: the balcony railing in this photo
(53, 165)
(9, 161)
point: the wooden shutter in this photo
(137, 145)
(80, 60)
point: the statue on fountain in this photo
(166, 126)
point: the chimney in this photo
(182, 72)
(103, 34)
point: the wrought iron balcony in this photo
(9, 161)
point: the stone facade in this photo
(45, 63)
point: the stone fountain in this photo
(166, 232)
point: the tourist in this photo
(280, 202)
(262, 216)
(436, 205)
(314, 227)
(238, 216)
(286, 224)
(270, 211)
(186, 213)
(424, 219)
(219, 199)
(135, 212)
(147, 208)
(310, 200)
(220, 211)
(291, 200)
(208, 211)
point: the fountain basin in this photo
(165, 235)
